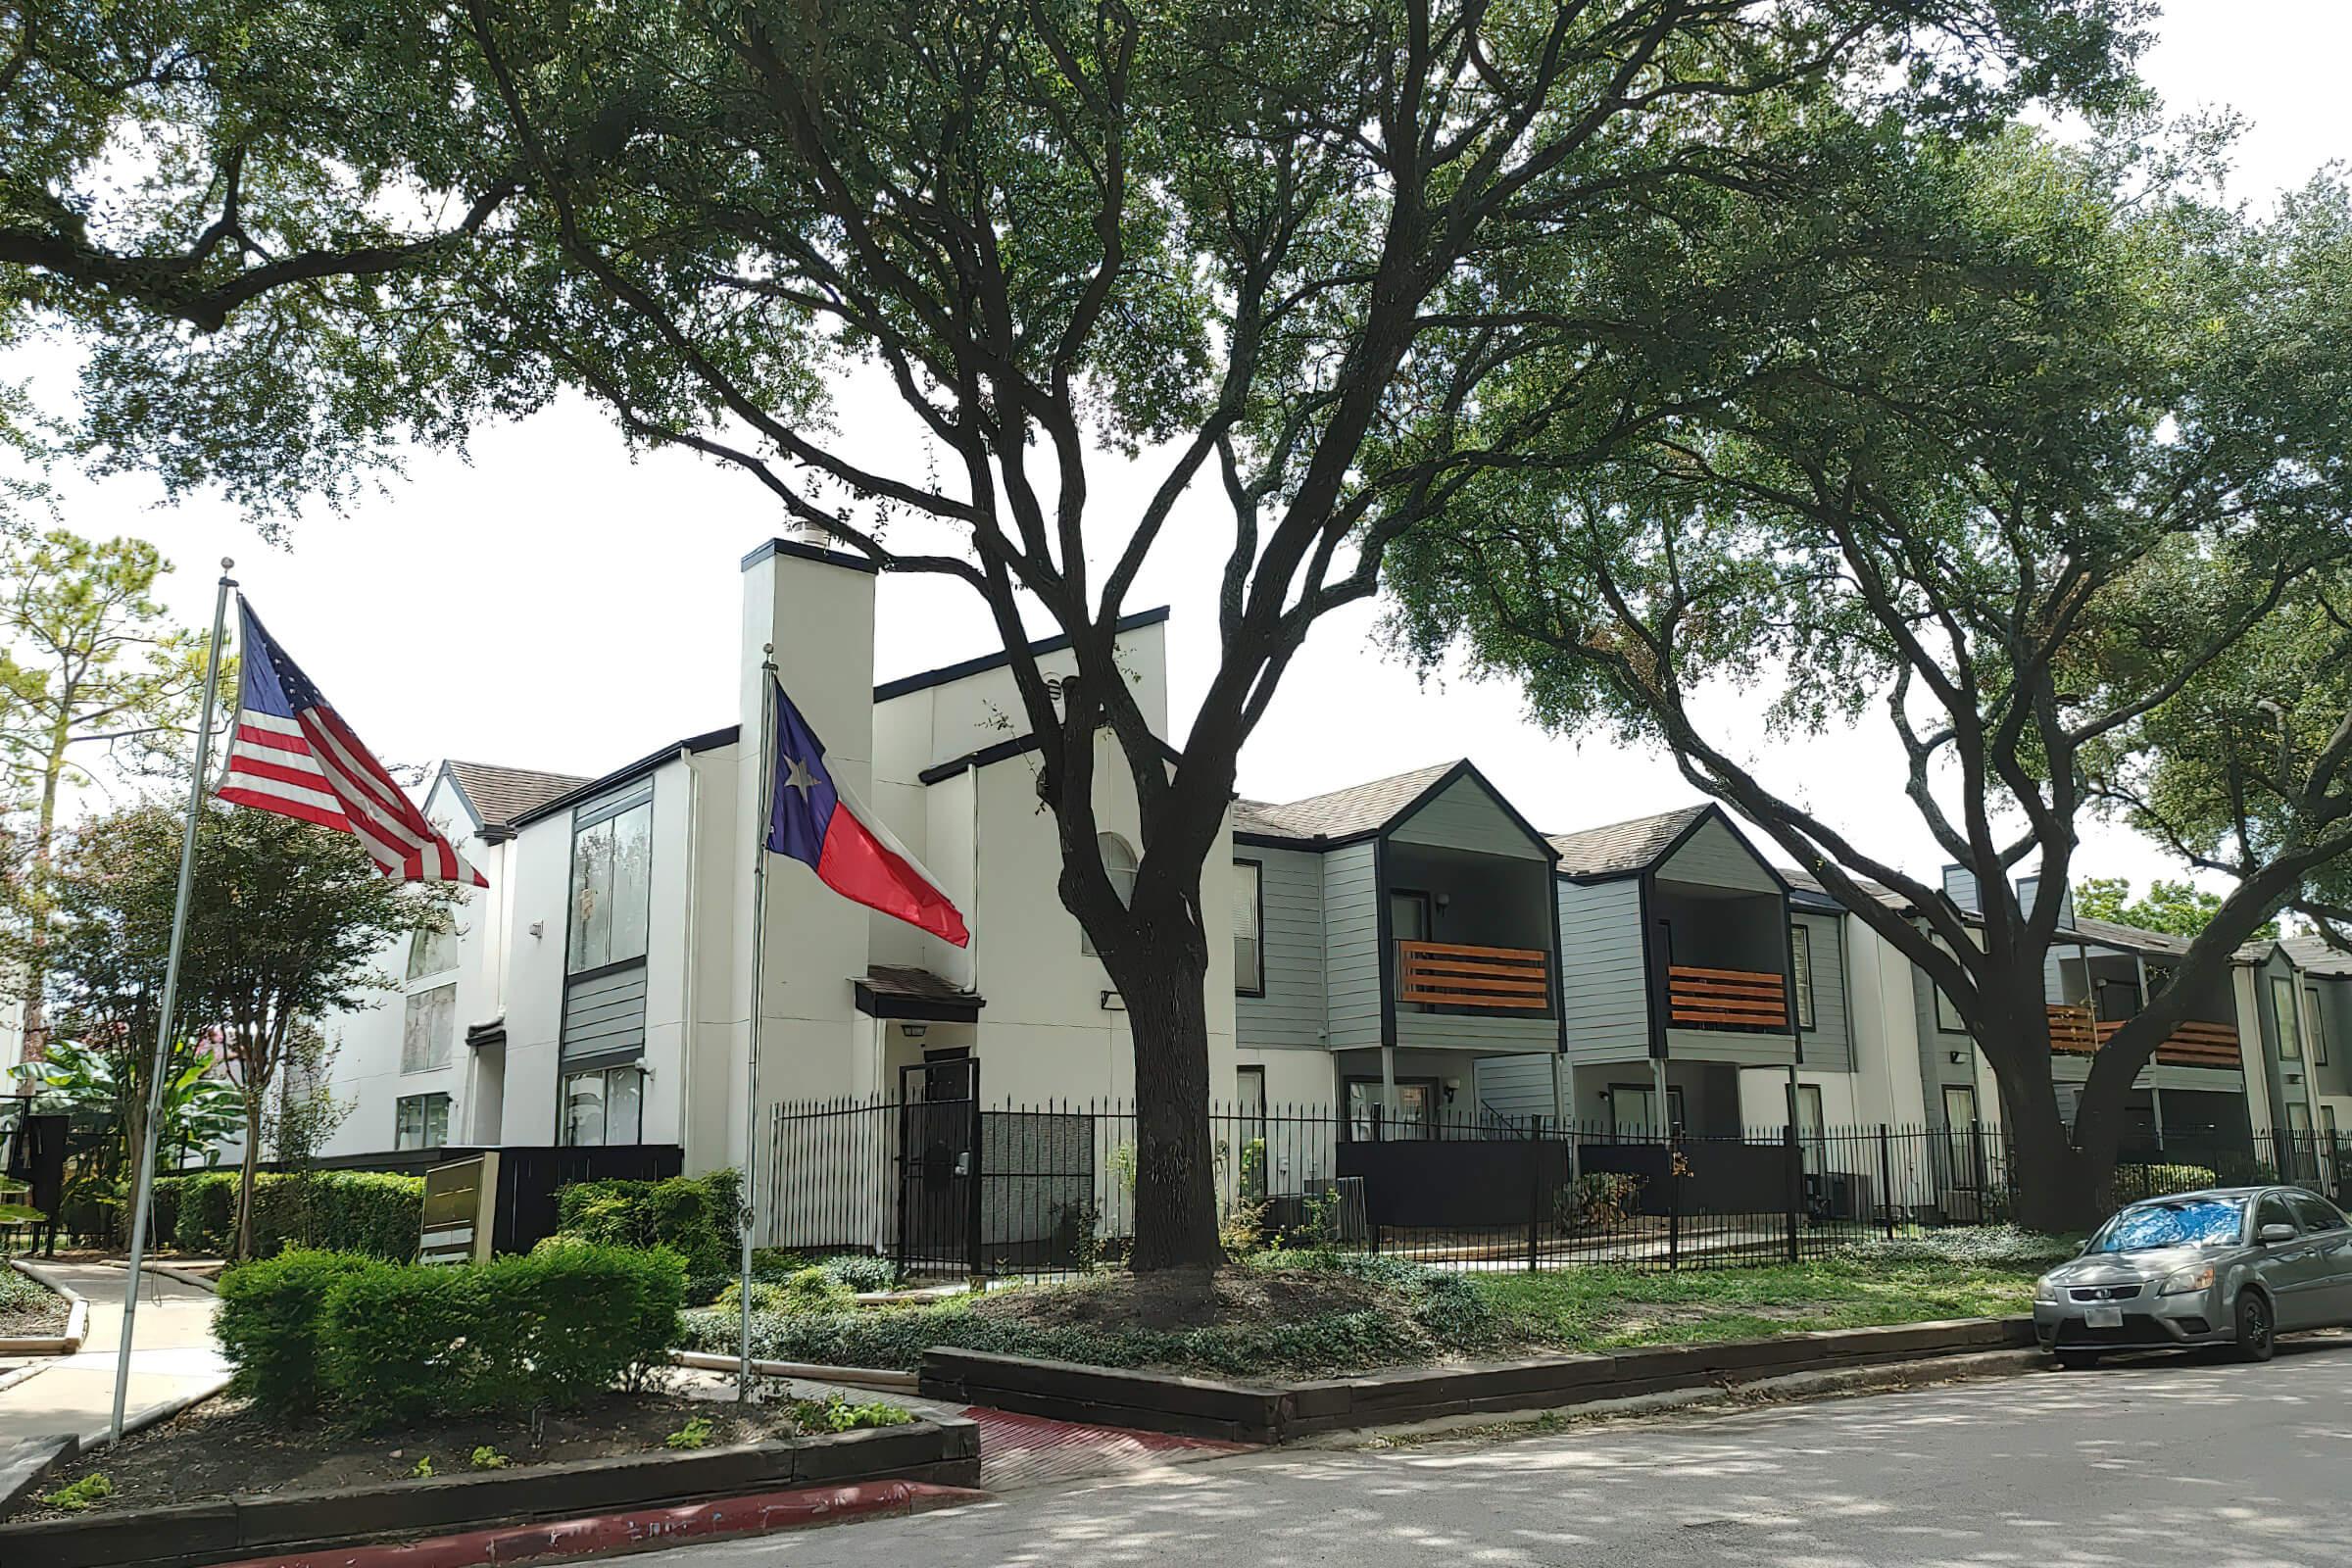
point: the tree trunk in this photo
(250, 1168)
(2060, 1192)
(37, 1008)
(1175, 1173)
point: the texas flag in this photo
(818, 822)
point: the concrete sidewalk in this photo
(172, 1357)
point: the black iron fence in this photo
(951, 1186)
(954, 1185)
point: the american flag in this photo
(293, 754)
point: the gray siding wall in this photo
(1490, 1031)
(1718, 857)
(1517, 1087)
(1292, 1013)
(1935, 1047)
(1467, 818)
(1351, 939)
(1830, 1043)
(1725, 1045)
(2336, 1017)
(1604, 996)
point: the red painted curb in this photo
(556, 1539)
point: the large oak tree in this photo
(2065, 506)
(1276, 254)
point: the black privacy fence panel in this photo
(953, 1186)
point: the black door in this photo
(939, 1165)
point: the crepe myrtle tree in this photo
(1269, 258)
(2063, 507)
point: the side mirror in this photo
(2273, 1234)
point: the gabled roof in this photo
(2314, 956)
(1623, 847)
(1809, 886)
(709, 741)
(1357, 809)
(500, 795)
(905, 684)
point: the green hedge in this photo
(270, 1322)
(694, 1216)
(338, 1210)
(379, 1342)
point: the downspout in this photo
(689, 1028)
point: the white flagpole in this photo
(142, 1205)
(751, 1081)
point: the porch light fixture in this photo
(1959, 1058)
(1113, 1001)
(914, 1031)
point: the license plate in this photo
(2103, 1317)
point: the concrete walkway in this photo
(172, 1357)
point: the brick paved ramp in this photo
(1032, 1450)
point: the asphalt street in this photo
(2146, 1464)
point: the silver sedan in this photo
(2232, 1266)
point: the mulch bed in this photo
(1230, 1298)
(223, 1447)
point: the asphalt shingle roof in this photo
(2315, 955)
(1357, 809)
(502, 794)
(1622, 846)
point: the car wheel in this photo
(2078, 1360)
(2257, 1333)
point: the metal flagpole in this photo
(163, 1029)
(751, 1080)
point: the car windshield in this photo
(2179, 1222)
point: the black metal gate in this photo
(938, 1166)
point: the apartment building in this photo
(599, 990)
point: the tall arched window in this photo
(1118, 864)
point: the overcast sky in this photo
(553, 605)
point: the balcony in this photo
(1449, 974)
(1725, 999)
(2193, 1043)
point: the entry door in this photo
(1410, 919)
(1960, 1134)
(939, 1164)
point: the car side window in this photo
(2272, 1211)
(2316, 1213)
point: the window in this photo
(2298, 1120)
(1634, 1110)
(2272, 1211)
(1416, 1106)
(2314, 1213)
(1801, 949)
(2283, 1021)
(431, 952)
(605, 1106)
(1947, 1016)
(1964, 1143)
(420, 1121)
(2327, 1123)
(428, 1032)
(1249, 908)
(1118, 864)
(611, 863)
(2319, 1027)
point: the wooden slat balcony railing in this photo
(2074, 1032)
(1447, 974)
(2194, 1043)
(1725, 999)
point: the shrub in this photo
(383, 1341)
(811, 1290)
(861, 1272)
(694, 1216)
(373, 1212)
(833, 1413)
(270, 1321)
(2155, 1181)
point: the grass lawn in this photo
(1607, 1308)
